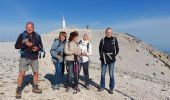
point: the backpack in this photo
(114, 44)
(69, 44)
(24, 35)
(58, 41)
(87, 45)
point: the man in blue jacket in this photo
(29, 43)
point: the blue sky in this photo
(147, 19)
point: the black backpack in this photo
(24, 36)
(114, 39)
(87, 45)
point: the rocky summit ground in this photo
(141, 72)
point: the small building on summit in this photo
(63, 23)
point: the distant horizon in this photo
(149, 20)
(13, 39)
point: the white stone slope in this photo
(140, 73)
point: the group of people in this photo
(66, 53)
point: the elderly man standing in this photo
(29, 43)
(108, 50)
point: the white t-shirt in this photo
(84, 48)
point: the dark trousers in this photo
(70, 73)
(63, 69)
(85, 66)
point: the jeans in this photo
(63, 69)
(103, 73)
(58, 78)
(85, 66)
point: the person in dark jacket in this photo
(108, 50)
(29, 43)
(57, 53)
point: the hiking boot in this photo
(61, 85)
(87, 87)
(36, 89)
(110, 91)
(56, 87)
(18, 93)
(77, 89)
(52, 86)
(100, 89)
(67, 89)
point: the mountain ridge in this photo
(141, 71)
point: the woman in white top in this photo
(86, 51)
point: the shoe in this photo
(52, 86)
(18, 93)
(56, 87)
(67, 89)
(77, 89)
(61, 85)
(36, 89)
(100, 89)
(110, 91)
(87, 87)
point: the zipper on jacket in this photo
(114, 47)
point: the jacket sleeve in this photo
(90, 50)
(19, 44)
(117, 46)
(40, 46)
(54, 49)
(78, 50)
(67, 51)
(100, 47)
